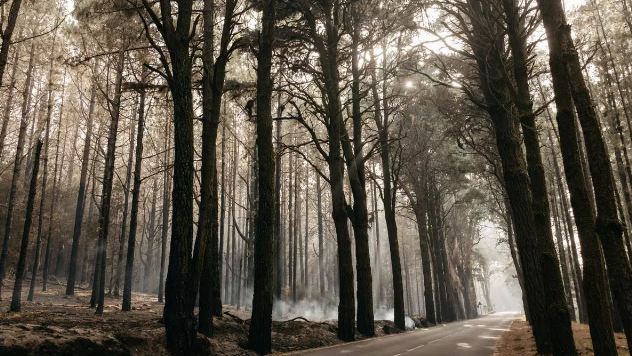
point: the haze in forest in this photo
(240, 177)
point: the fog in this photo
(504, 288)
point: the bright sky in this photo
(572, 4)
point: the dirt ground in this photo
(519, 341)
(54, 324)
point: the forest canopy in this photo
(226, 168)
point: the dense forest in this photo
(253, 176)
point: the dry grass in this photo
(519, 341)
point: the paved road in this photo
(476, 337)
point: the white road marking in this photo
(415, 348)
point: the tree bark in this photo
(58, 167)
(166, 181)
(133, 223)
(260, 332)
(7, 34)
(126, 191)
(16, 300)
(106, 191)
(515, 175)
(567, 71)
(278, 232)
(40, 218)
(354, 155)
(321, 247)
(17, 165)
(81, 197)
(329, 64)
(6, 114)
(420, 207)
(558, 313)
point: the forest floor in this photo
(54, 324)
(518, 341)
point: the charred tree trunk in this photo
(164, 231)
(213, 86)
(126, 191)
(131, 242)
(358, 214)
(222, 215)
(6, 114)
(81, 198)
(58, 167)
(295, 228)
(205, 250)
(321, 247)
(17, 165)
(151, 238)
(260, 333)
(106, 192)
(28, 216)
(278, 232)
(290, 224)
(40, 218)
(306, 287)
(7, 34)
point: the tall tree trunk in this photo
(517, 184)
(260, 332)
(7, 34)
(166, 181)
(359, 213)
(420, 214)
(278, 232)
(222, 212)
(40, 218)
(300, 238)
(151, 238)
(106, 191)
(90, 219)
(568, 224)
(54, 195)
(559, 241)
(290, 223)
(179, 288)
(558, 313)
(437, 280)
(126, 191)
(378, 244)
(295, 227)
(327, 46)
(6, 114)
(81, 197)
(388, 198)
(235, 197)
(306, 239)
(207, 238)
(438, 247)
(28, 216)
(567, 72)
(133, 223)
(205, 250)
(321, 247)
(17, 165)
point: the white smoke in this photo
(310, 309)
(319, 310)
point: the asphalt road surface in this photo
(476, 337)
